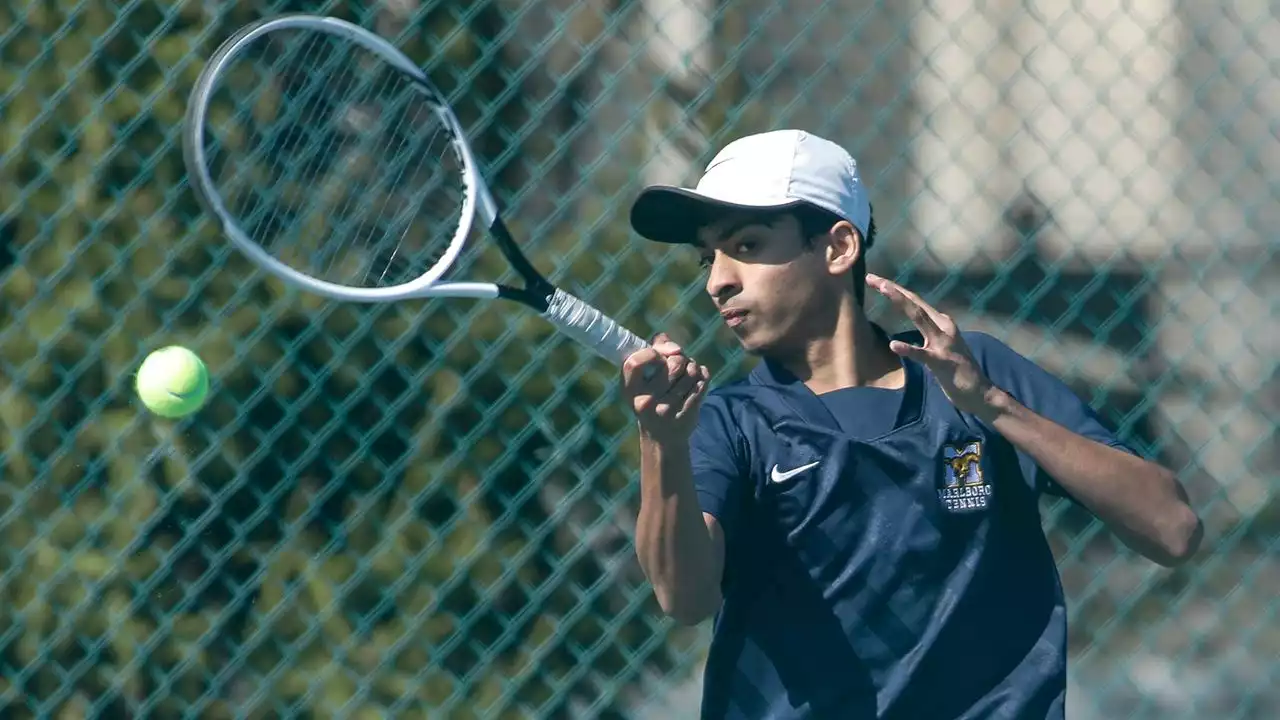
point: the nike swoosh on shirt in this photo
(776, 476)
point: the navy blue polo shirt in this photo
(884, 554)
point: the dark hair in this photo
(815, 221)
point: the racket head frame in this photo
(571, 315)
(477, 198)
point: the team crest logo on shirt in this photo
(964, 489)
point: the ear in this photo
(844, 248)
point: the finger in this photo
(647, 377)
(694, 399)
(675, 396)
(683, 375)
(700, 388)
(907, 350)
(655, 376)
(699, 373)
(914, 310)
(678, 389)
(638, 359)
(938, 318)
(642, 368)
(665, 345)
(677, 367)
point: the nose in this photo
(722, 278)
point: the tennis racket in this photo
(331, 161)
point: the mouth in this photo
(733, 318)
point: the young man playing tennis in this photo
(860, 513)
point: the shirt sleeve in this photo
(716, 457)
(1045, 395)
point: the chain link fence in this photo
(425, 511)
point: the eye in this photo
(743, 247)
(704, 261)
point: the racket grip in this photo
(592, 328)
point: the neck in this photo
(852, 354)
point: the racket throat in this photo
(537, 294)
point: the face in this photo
(775, 290)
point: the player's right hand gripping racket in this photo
(332, 162)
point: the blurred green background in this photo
(425, 510)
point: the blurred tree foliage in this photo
(410, 511)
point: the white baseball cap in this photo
(771, 170)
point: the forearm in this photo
(1141, 501)
(674, 545)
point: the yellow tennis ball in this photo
(173, 382)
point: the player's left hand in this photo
(944, 351)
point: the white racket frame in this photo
(477, 197)
(574, 317)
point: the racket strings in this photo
(363, 115)
(396, 211)
(288, 174)
(316, 161)
(333, 162)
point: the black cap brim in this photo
(673, 215)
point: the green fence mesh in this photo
(425, 511)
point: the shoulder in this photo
(994, 356)
(725, 406)
(979, 341)
(984, 346)
(735, 392)
(1000, 362)
(987, 348)
(737, 409)
(720, 429)
(726, 401)
(1007, 366)
(1021, 376)
(1013, 371)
